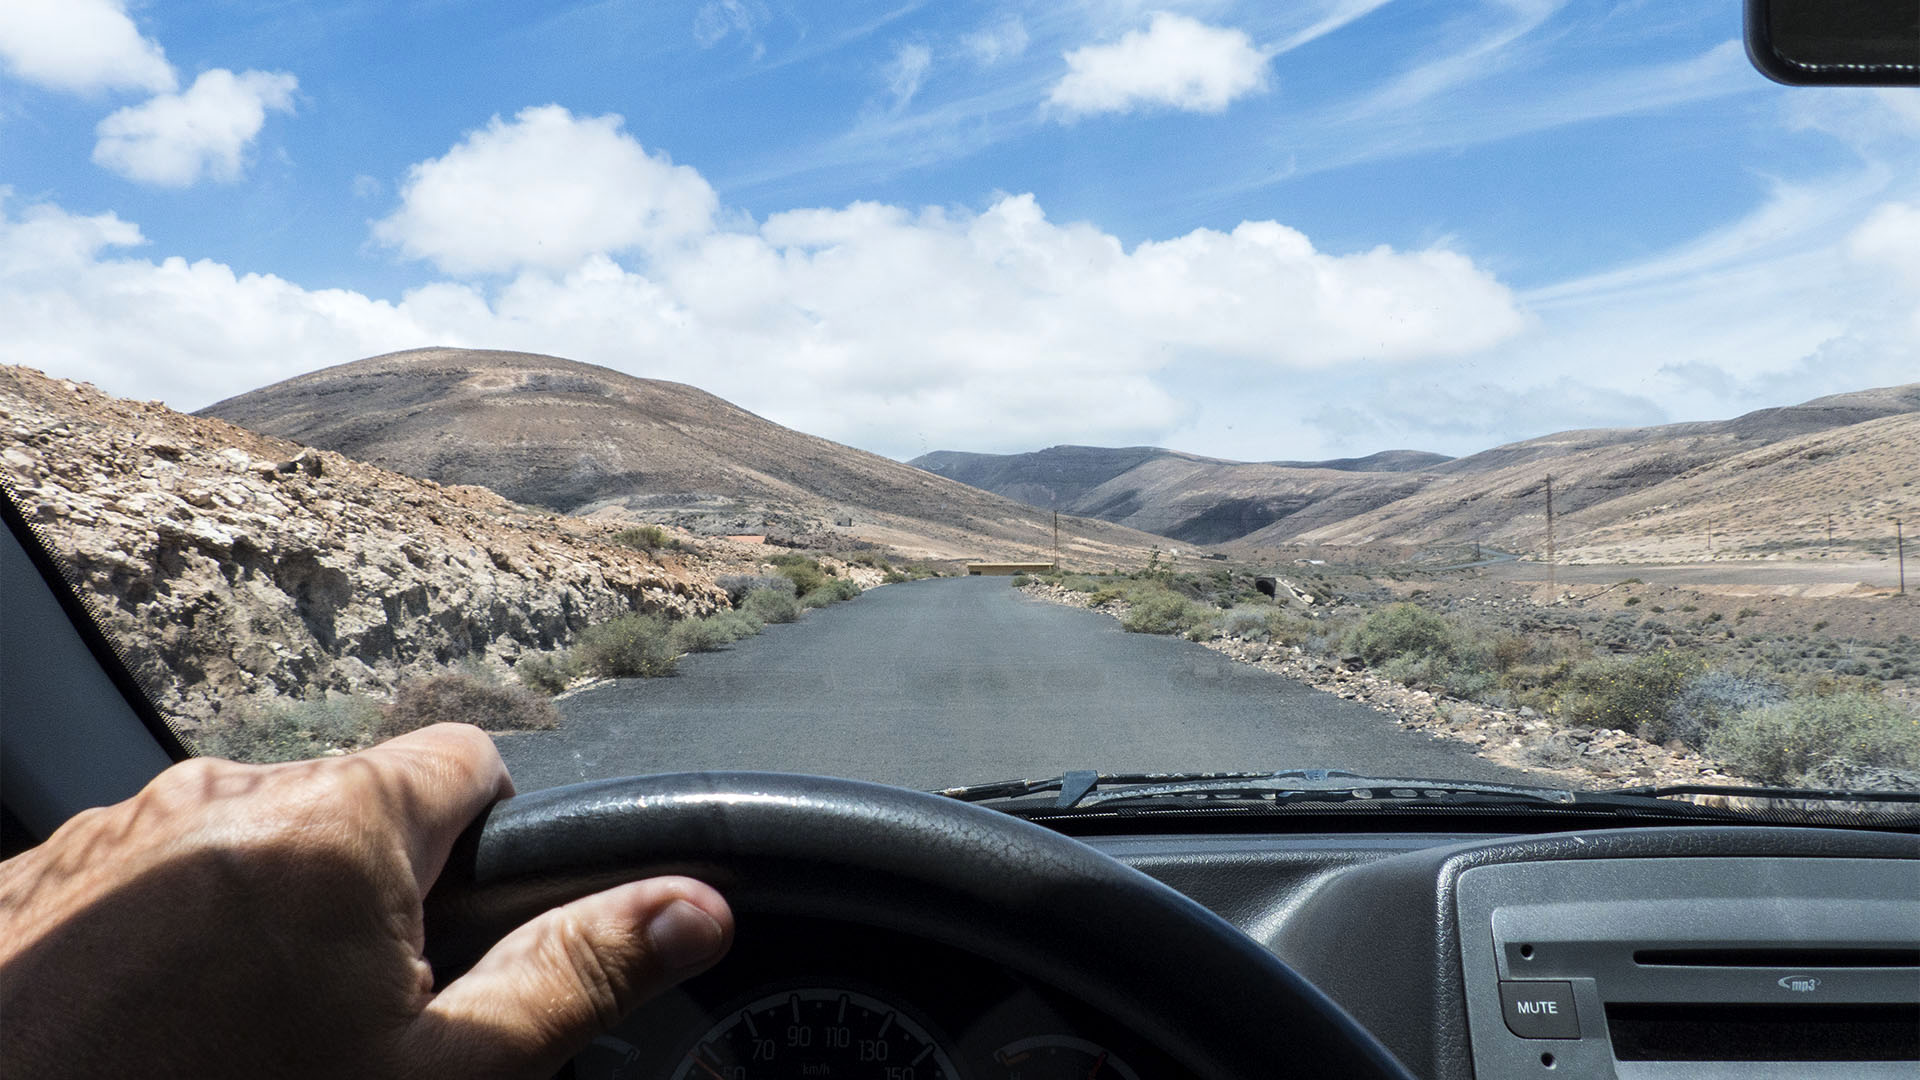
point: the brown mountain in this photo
(1200, 500)
(1765, 475)
(1616, 489)
(578, 438)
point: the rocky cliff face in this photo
(228, 565)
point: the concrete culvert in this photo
(1266, 586)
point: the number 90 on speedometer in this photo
(816, 1032)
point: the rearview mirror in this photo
(1835, 42)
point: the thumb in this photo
(545, 990)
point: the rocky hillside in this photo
(1646, 493)
(231, 565)
(578, 438)
(1768, 476)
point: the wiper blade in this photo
(1075, 785)
(1662, 791)
(1085, 789)
(1305, 785)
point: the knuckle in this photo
(599, 970)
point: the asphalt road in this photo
(948, 681)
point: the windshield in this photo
(1506, 393)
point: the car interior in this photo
(1314, 925)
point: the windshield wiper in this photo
(1086, 790)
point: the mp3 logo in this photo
(1800, 984)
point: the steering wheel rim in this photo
(990, 883)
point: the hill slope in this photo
(1200, 500)
(578, 438)
(1606, 479)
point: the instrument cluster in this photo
(808, 999)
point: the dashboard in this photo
(1727, 953)
(803, 998)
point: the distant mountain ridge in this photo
(579, 438)
(1182, 496)
(1411, 497)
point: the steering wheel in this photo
(976, 879)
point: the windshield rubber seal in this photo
(86, 622)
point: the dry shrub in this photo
(466, 699)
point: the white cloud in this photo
(906, 71)
(175, 139)
(73, 304)
(719, 19)
(1000, 40)
(894, 329)
(81, 46)
(1177, 62)
(546, 189)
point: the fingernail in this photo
(683, 936)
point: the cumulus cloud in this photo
(80, 46)
(906, 71)
(545, 189)
(1176, 62)
(74, 302)
(1000, 40)
(175, 139)
(895, 329)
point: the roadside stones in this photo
(1575, 756)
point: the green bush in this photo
(1021, 579)
(546, 673)
(771, 606)
(699, 635)
(642, 537)
(1405, 630)
(1080, 584)
(631, 646)
(1249, 623)
(1159, 610)
(805, 573)
(1781, 744)
(1104, 596)
(1459, 676)
(290, 730)
(466, 699)
(893, 577)
(1632, 695)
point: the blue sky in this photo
(1245, 229)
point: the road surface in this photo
(956, 680)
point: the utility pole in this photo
(1709, 536)
(1829, 530)
(1552, 577)
(1900, 545)
(1056, 537)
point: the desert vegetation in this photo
(1794, 709)
(292, 730)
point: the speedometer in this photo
(816, 1031)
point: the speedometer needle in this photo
(711, 1071)
(1097, 1066)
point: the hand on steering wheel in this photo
(252, 920)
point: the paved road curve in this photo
(956, 680)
